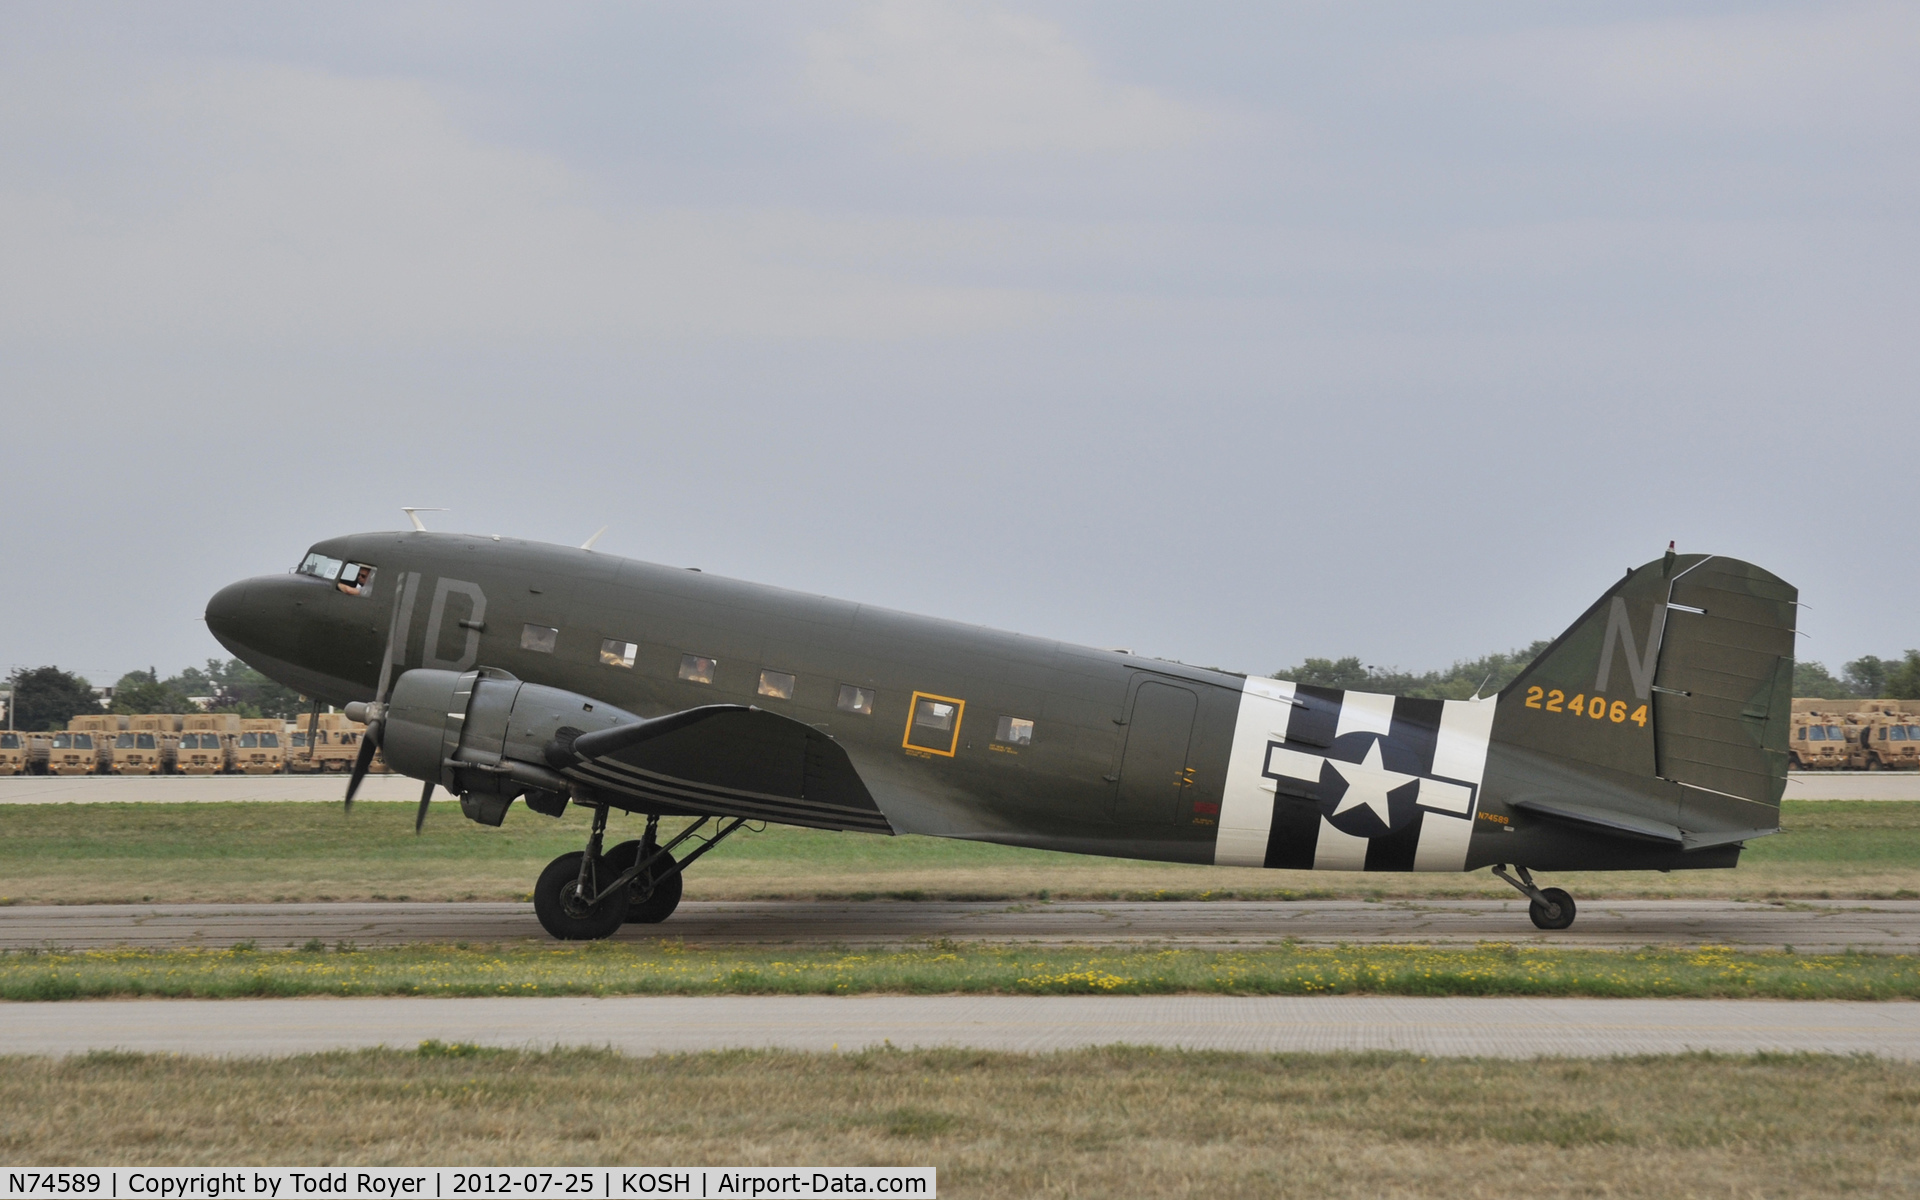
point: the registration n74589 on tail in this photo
(1651, 735)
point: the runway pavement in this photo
(174, 789)
(1493, 1027)
(1882, 926)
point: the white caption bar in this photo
(450, 1183)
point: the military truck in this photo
(164, 731)
(138, 752)
(259, 750)
(14, 752)
(1885, 737)
(1817, 741)
(337, 743)
(207, 743)
(77, 753)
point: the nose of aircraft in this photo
(227, 613)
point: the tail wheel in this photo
(567, 911)
(1557, 911)
(661, 901)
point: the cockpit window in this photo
(355, 579)
(321, 567)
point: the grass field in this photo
(1112, 1122)
(129, 853)
(607, 968)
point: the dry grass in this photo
(670, 968)
(1088, 1123)
(130, 853)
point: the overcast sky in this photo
(1227, 333)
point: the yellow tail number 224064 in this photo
(1597, 708)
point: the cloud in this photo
(286, 203)
(963, 81)
(1764, 70)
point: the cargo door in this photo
(1153, 767)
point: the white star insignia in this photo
(1368, 784)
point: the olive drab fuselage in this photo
(962, 731)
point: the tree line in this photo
(1864, 678)
(47, 698)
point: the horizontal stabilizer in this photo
(1625, 824)
(1628, 825)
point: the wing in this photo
(724, 760)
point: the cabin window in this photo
(538, 638)
(9, 741)
(695, 669)
(935, 723)
(249, 741)
(143, 741)
(1897, 733)
(856, 700)
(1834, 734)
(123, 742)
(777, 684)
(616, 653)
(1883, 733)
(1813, 734)
(1015, 731)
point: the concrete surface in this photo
(1496, 1027)
(175, 789)
(1884, 926)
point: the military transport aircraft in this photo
(1652, 735)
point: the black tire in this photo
(557, 902)
(1556, 913)
(660, 903)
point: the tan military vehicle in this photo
(259, 749)
(1817, 741)
(335, 743)
(163, 729)
(207, 743)
(77, 753)
(14, 752)
(1885, 737)
(139, 752)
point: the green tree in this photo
(235, 687)
(1482, 676)
(1867, 676)
(47, 698)
(1813, 680)
(1903, 678)
(142, 692)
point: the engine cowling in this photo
(482, 735)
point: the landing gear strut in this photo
(586, 895)
(1552, 908)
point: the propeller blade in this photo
(375, 713)
(369, 742)
(420, 818)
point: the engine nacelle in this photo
(483, 734)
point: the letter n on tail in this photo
(1620, 630)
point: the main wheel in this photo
(660, 903)
(568, 914)
(1556, 913)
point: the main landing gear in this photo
(1552, 908)
(587, 894)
